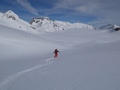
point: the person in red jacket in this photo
(55, 53)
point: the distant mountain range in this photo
(110, 27)
(12, 20)
(47, 24)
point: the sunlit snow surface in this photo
(88, 60)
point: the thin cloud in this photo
(87, 6)
(106, 10)
(28, 6)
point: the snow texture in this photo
(88, 60)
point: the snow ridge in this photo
(49, 25)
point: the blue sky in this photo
(95, 12)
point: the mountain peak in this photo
(110, 27)
(9, 11)
(11, 15)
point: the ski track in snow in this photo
(6, 83)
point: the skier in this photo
(55, 53)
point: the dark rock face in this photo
(117, 29)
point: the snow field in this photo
(88, 60)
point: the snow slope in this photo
(88, 60)
(15, 43)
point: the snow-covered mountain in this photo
(47, 24)
(110, 27)
(10, 19)
(11, 15)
